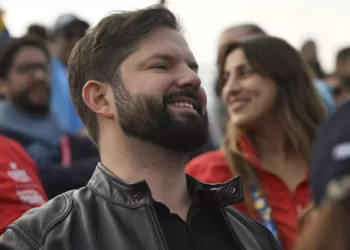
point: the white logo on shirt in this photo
(13, 165)
(18, 175)
(30, 196)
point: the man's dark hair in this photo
(98, 55)
(38, 31)
(11, 47)
(343, 55)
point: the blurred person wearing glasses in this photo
(64, 159)
(67, 31)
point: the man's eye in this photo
(161, 66)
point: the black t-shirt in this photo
(205, 229)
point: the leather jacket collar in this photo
(138, 194)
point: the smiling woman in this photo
(274, 112)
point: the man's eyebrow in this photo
(168, 57)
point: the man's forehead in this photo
(165, 41)
(29, 53)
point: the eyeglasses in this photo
(30, 68)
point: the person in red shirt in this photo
(274, 111)
(20, 186)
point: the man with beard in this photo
(24, 72)
(25, 117)
(134, 83)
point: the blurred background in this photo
(36, 110)
(324, 21)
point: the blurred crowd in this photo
(296, 175)
(37, 112)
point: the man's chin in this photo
(37, 108)
(186, 147)
(187, 140)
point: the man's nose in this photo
(189, 79)
(39, 74)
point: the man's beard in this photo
(22, 100)
(147, 118)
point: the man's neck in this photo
(133, 160)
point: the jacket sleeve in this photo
(11, 240)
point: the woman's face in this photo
(250, 97)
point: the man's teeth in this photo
(183, 104)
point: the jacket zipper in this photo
(154, 220)
(231, 230)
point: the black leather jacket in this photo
(111, 214)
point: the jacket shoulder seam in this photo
(24, 235)
(67, 208)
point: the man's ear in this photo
(98, 96)
(3, 88)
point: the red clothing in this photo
(20, 186)
(213, 168)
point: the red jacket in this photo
(212, 167)
(20, 186)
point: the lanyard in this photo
(66, 155)
(260, 203)
(264, 211)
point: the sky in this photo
(324, 21)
